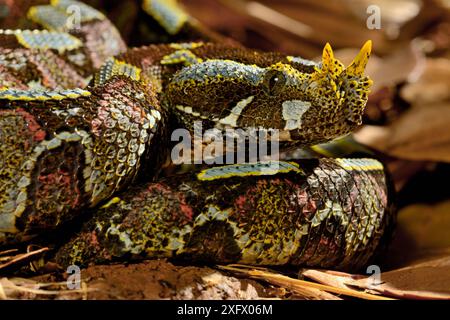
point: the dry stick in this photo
(12, 285)
(23, 257)
(291, 283)
(4, 253)
(9, 284)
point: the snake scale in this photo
(85, 129)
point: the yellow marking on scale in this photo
(42, 95)
(186, 45)
(111, 202)
(321, 150)
(123, 68)
(364, 164)
(43, 40)
(184, 56)
(249, 169)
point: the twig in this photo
(296, 284)
(22, 258)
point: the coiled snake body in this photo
(69, 147)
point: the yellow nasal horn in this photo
(357, 67)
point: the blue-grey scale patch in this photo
(105, 72)
(168, 14)
(56, 17)
(366, 164)
(18, 94)
(249, 169)
(181, 56)
(48, 40)
(49, 17)
(186, 45)
(302, 61)
(114, 67)
(226, 69)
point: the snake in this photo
(87, 125)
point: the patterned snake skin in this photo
(85, 125)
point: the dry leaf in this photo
(433, 85)
(419, 134)
(428, 280)
(427, 225)
(422, 234)
(298, 28)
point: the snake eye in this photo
(274, 81)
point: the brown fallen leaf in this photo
(421, 235)
(419, 134)
(427, 225)
(432, 86)
(427, 280)
(294, 27)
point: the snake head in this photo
(306, 102)
(339, 93)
